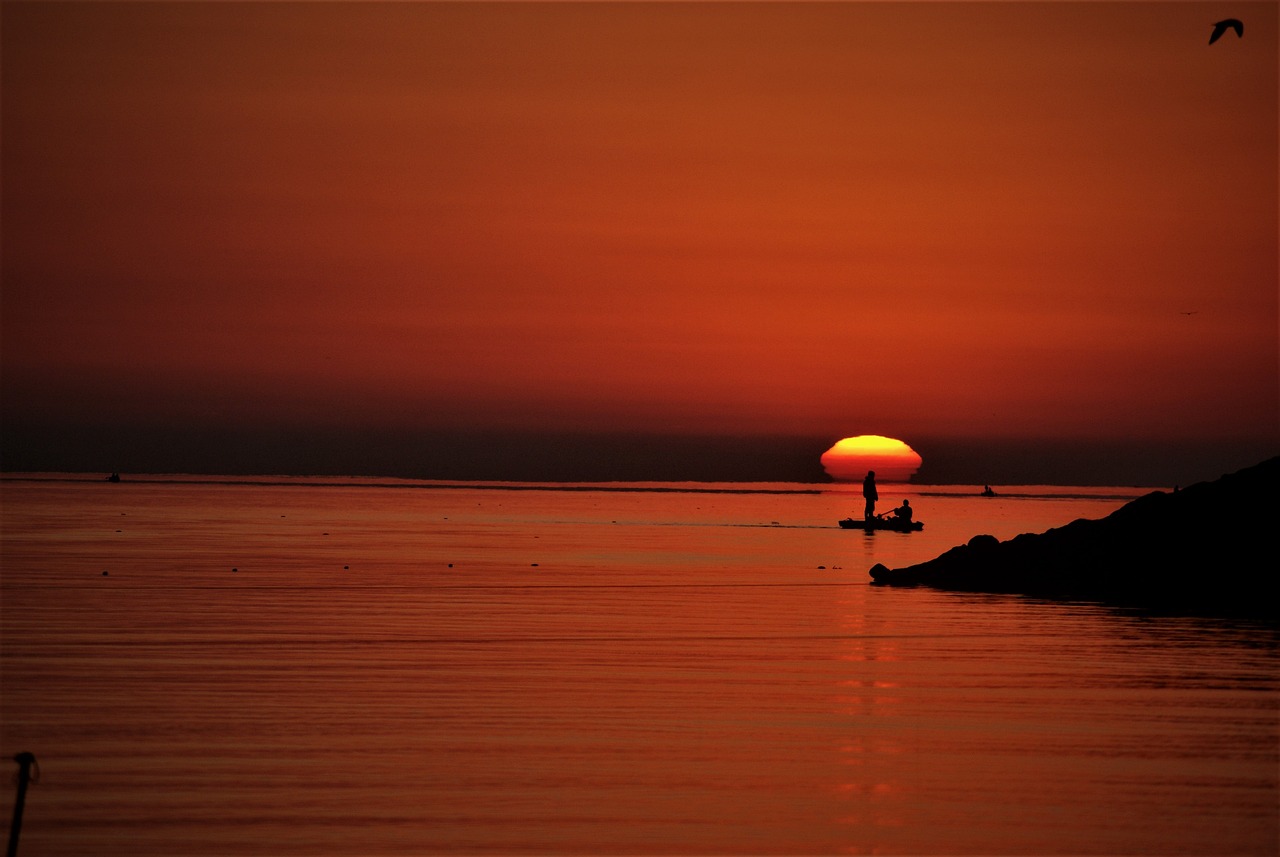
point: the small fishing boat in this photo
(882, 524)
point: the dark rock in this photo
(1209, 548)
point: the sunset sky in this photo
(990, 222)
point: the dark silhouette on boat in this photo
(870, 495)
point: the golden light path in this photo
(891, 459)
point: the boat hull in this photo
(881, 524)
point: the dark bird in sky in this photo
(1228, 24)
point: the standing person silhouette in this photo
(869, 494)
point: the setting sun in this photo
(891, 459)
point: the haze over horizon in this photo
(1036, 241)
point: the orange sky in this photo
(824, 219)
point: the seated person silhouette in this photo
(902, 514)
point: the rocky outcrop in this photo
(1209, 548)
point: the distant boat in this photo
(882, 524)
(987, 492)
(114, 477)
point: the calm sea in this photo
(359, 667)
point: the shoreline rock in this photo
(1210, 548)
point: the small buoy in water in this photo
(450, 565)
(235, 569)
(106, 574)
(346, 566)
(822, 567)
(534, 564)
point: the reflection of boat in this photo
(881, 524)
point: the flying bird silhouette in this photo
(1224, 25)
